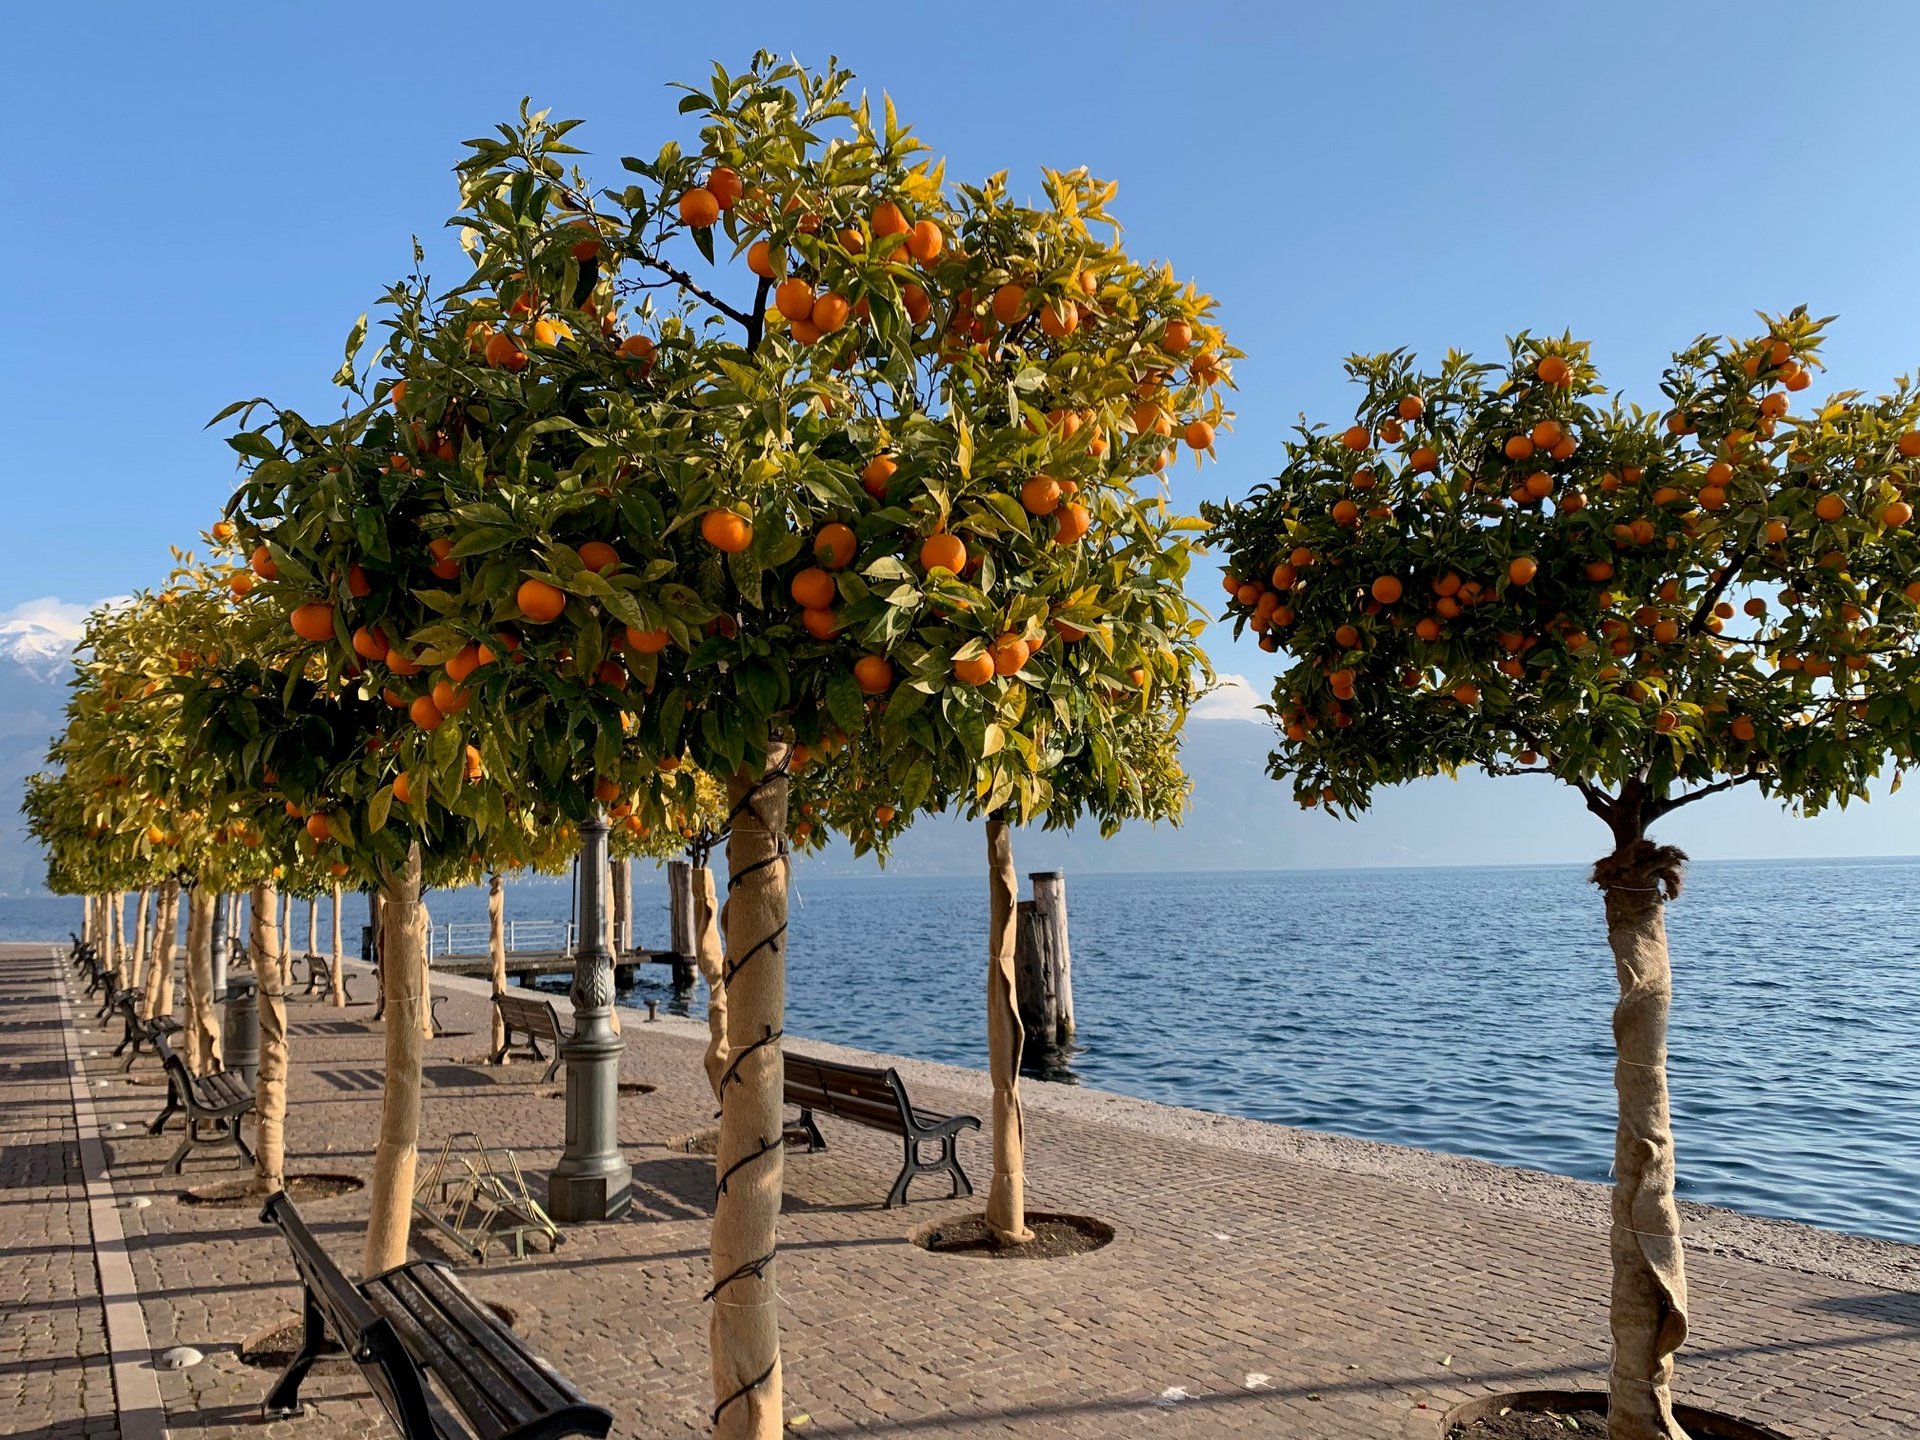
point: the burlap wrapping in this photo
(202, 1034)
(114, 951)
(337, 980)
(424, 923)
(744, 1331)
(270, 1081)
(138, 969)
(497, 956)
(397, 1153)
(1007, 1198)
(708, 955)
(166, 921)
(1649, 1307)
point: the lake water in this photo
(1458, 1010)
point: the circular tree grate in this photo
(1055, 1237)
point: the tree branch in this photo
(686, 283)
(1670, 803)
(756, 324)
(1719, 587)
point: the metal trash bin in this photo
(240, 1030)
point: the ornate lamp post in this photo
(593, 1180)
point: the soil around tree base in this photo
(1055, 1237)
(1559, 1414)
(238, 1192)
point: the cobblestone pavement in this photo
(1244, 1293)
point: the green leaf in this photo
(845, 702)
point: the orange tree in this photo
(1500, 566)
(786, 438)
(306, 713)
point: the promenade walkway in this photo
(1262, 1283)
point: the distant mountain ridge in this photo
(1239, 819)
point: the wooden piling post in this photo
(1033, 973)
(680, 909)
(622, 908)
(1050, 901)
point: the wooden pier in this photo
(525, 966)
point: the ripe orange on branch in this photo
(943, 551)
(539, 601)
(699, 208)
(312, 621)
(726, 531)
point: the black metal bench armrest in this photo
(928, 1126)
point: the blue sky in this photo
(201, 198)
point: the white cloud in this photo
(64, 617)
(1234, 698)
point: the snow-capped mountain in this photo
(37, 649)
(35, 661)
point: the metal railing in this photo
(469, 937)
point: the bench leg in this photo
(284, 1399)
(898, 1195)
(950, 1162)
(947, 1164)
(554, 1068)
(179, 1160)
(160, 1120)
(233, 1130)
(815, 1140)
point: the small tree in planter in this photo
(1499, 566)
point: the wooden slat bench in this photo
(139, 1029)
(522, 1014)
(876, 1097)
(418, 1321)
(218, 1100)
(320, 976)
(380, 1005)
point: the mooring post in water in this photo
(680, 908)
(1033, 974)
(1050, 902)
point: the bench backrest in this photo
(524, 1013)
(872, 1092)
(366, 1334)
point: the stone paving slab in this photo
(1246, 1293)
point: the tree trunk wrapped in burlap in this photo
(397, 1154)
(1007, 1198)
(138, 969)
(497, 955)
(425, 923)
(270, 1081)
(1649, 1309)
(711, 959)
(202, 1032)
(337, 980)
(166, 923)
(745, 1328)
(112, 952)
